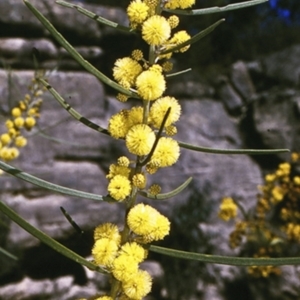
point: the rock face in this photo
(251, 104)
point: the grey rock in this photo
(89, 53)
(284, 66)
(276, 119)
(22, 48)
(241, 80)
(229, 96)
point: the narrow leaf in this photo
(232, 151)
(195, 38)
(215, 9)
(8, 254)
(75, 114)
(94, 16)
(85, 64)
(167, 195)
(227, 260)
(47, 239)
(48, 185)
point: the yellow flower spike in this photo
(140, 139)
(123, 161)
(109, 231)
(173, 21)
(179, 38)
(138, 286)
(5, 138)
(137, 11)
(159, 109)
(13, 132)
(126, 69)
(119, 187)
(167, 152)
(16, 112)
(29, 122)
(150, 85)
(156, 30)
(124, 267)
(105, 251)
(135, 251)
(139, 181)
(19, 122)
(154, 189)
(228, 209)
(20, 141)
(118, 170)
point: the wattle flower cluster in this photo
(23, 117)
(148, 131)
(122, 259)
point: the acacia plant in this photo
(148, 131)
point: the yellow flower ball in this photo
(159, 109)
(173, 4)
(156, 30)
(228, 209)
(19, 122)
(20, 141)
(16, 112)
(138, 286)
(118, 125)
(105, 251)
(126, 69)
(137, 11)
(5, 138)
(167, 152)
(135, 251)
(118, 170)
(119, 187)
(9, 153)
(135, 116)
(179, 38)
(29, 122)
(109, 231)
(124, 267)
(150, 85)
(139, 180)
(141, 219)
(140, 139)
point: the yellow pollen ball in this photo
(126, 69)
(167, 152)
(140, 139)
(159, 109)
(156, 30)
(150, 85)
(119, 187)
(137, 11)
